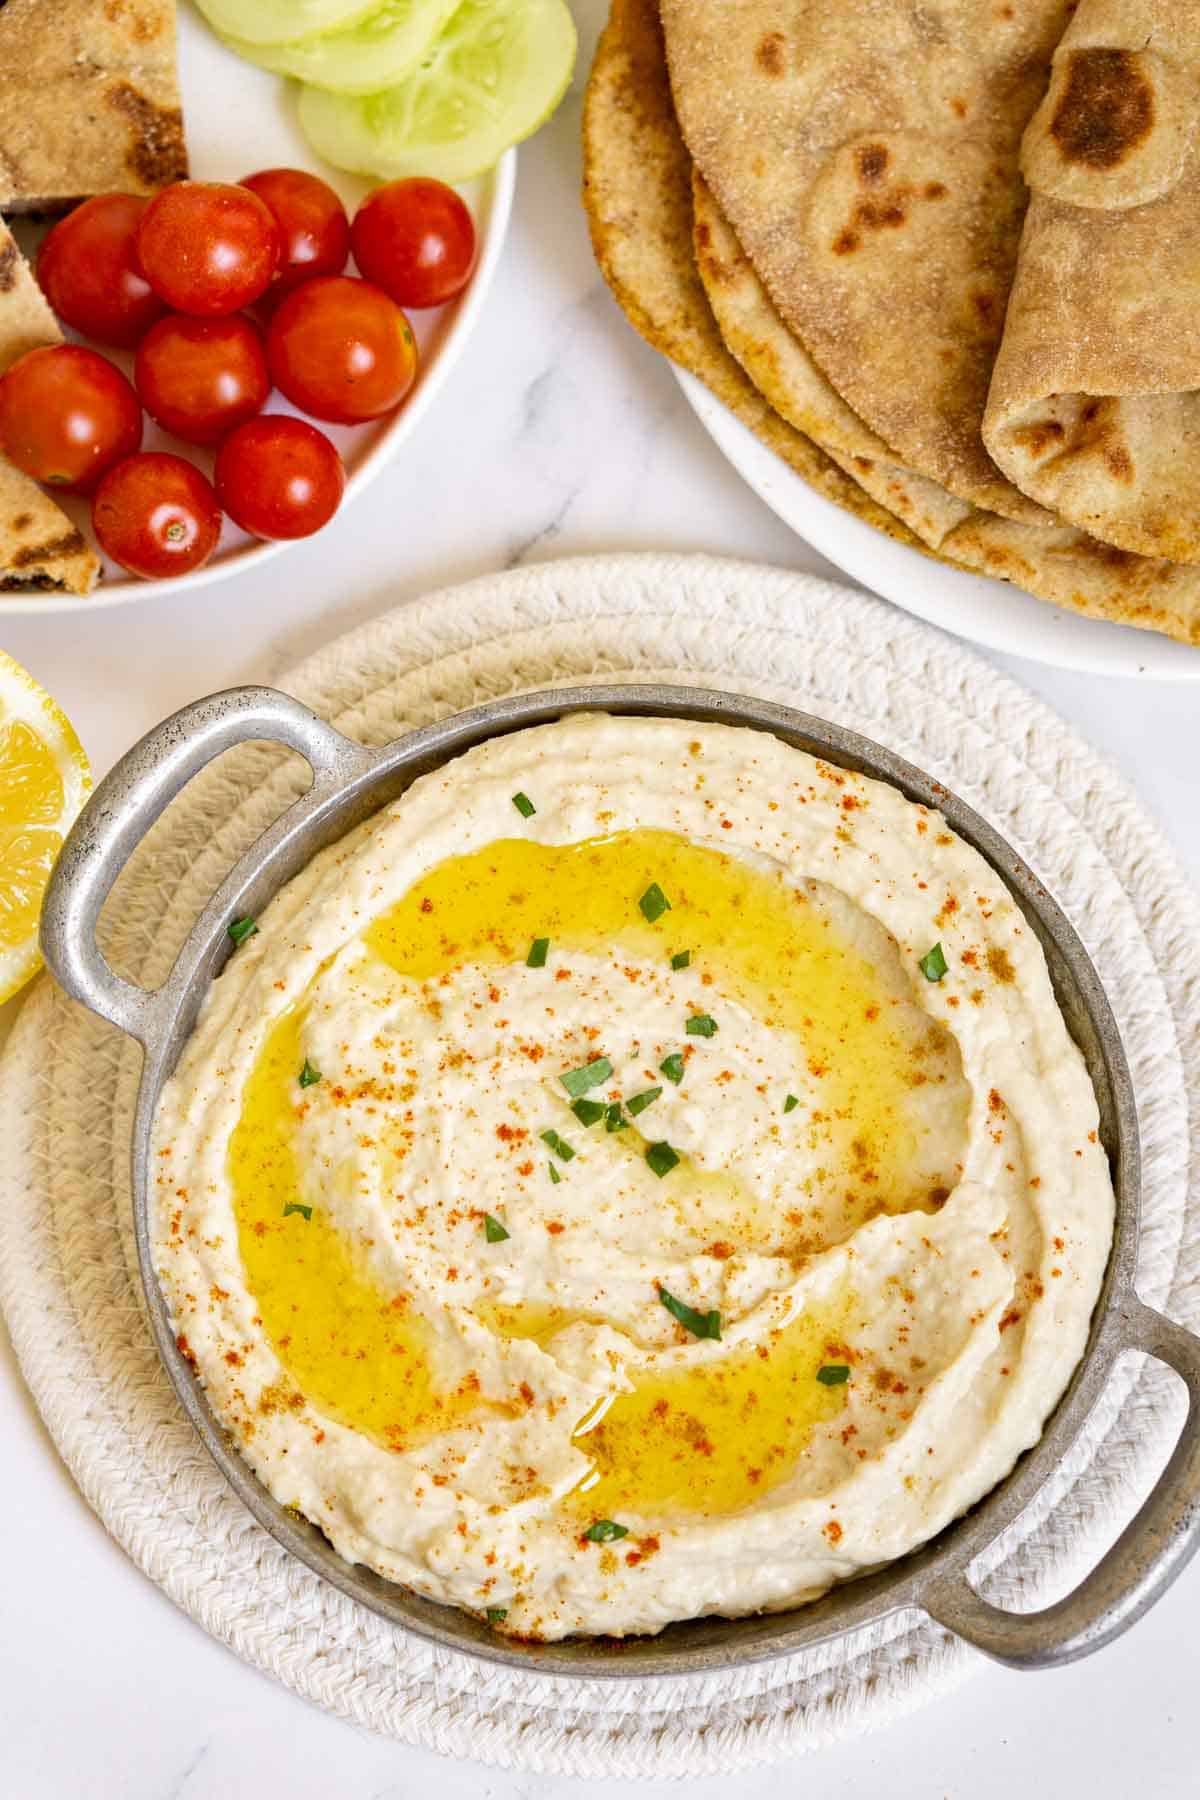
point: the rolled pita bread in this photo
(1094, 409)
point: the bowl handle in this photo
(1152, 1550)
(130, 799)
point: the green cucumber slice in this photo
(373, 53)
(280, 21)
(496, 73)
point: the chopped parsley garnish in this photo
(496, 1615)
(662, 1159)
(654, 903)
(524, 805)
(295, 1206)
(681, 959)
(833, 1374)
(578, 1081)
(309, 1076)
(701, 1025)
(605, 1531)
(700, 1324)
(538, 951)
(493, 1230)
(791, 1103)
(241, 929)
(637, 1103)
(614, 1118)
(933, 964)
(588, 1112)
(554, 1174)
(558, 1146)
(672, 1067)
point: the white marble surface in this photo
(559, 433)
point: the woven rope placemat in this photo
(68, 1281)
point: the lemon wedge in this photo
(44, 780)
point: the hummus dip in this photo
(641, 1173)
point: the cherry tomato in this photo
(201, 377)
(208, 248)
(66, 415)
(341, 350)
(416, 240)
(89, 271)
(156, 515)
(313, 227)
(279, 477)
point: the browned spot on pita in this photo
(872, 160)
(22, 522)
(846, 242)
(156, 155)
(935, 190)
(71, 543)
(1107, 108)
(864, 463)
(9, 257)
(985, 305)
(141, 24)
(1119, 463)
(770, 53)
(1038, 437)
(1000, 964)
(959, 108)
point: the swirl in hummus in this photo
(641, 1173)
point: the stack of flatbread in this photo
(944, 259)
(89, 104)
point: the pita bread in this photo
(787, 377)
(866, 155)
(89, 101)
(1095, 400)
(637, 191)
(39, 546)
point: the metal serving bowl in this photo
(349, 783)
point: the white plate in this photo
(993, 613)
(239, 119)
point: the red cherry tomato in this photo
(416, 240)
(313, 227)
(66, 415)
(156, 515)
(201, 377)
(208, 248)
(279, 477)
(341, 350)
(89, 271)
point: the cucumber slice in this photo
(374, 53)
(496, 73)
(279, 21)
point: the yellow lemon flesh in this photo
(44, 780)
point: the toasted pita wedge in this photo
(89, 101)
(39, 547)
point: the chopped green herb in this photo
(554, 1174)
(588, 1112)
(241, 929)
(578, 1081)
(700, 1324)
(558, 1146)
(681, 959)
(496, 1615)
(790, 1104)
(493, 1230)
(295, 1206)
(524, 805)
(833, 1374)
(637, 1103)
(933, 964)
(606, 1531)
(701, 1025)
(614, 1118)
(654, 903)
(537, 953)
(662, 1159)
(672, 1067)
(309, 1076)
